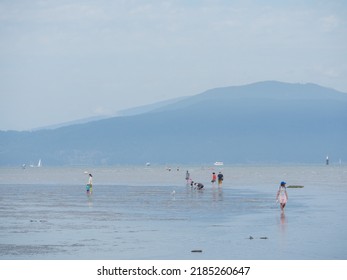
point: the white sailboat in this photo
(39, 163)
(219, 163)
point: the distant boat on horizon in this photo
(39, 164)
(219, 163)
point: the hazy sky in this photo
(62, 60)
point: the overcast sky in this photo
(63, 60)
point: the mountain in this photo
(265, 122)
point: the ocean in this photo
(149, 213)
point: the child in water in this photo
(187, 177)
(214, 178)
(282, 196)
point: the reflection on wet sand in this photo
(283, 230)
(217, 194)
(283, 223)
(90, 200)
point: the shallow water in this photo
(150, 213)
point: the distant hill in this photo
(265, 122)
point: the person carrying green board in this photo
(89, 186)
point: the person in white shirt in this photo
(90, 184)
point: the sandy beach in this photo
(150, 213)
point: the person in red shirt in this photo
(214, 178)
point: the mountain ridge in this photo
(264, 122)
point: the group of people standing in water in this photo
(219, 178)
(281, 196)
(199, 186)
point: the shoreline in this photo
(146, 221)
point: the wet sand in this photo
(149, 213)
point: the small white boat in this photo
(219, 163)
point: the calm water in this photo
(150, 213)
